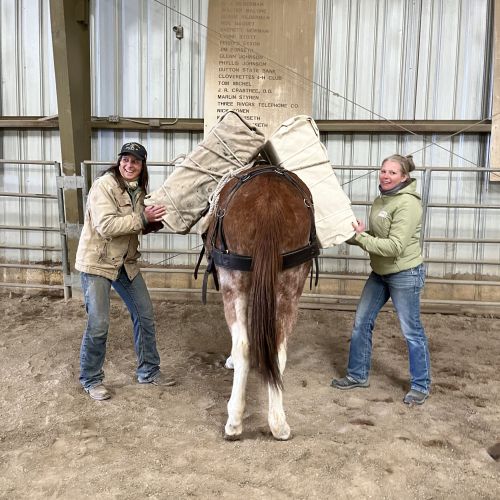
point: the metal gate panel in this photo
(30, 243)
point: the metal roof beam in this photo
(196, 125)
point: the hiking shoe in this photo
(161, 380)
(98, 392)
(346, 383)
(415, 397)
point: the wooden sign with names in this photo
(260, 60)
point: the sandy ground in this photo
(148, 442)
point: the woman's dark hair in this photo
(143, 180)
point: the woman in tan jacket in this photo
(107, 257)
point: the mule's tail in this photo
(263, 331)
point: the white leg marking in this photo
(276, 417)
(241, 362)
(229, 363)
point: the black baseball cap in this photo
(135, 149)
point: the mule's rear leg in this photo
(235, 309)
(276, 417)
(290, 289)
(241, 361)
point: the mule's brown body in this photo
(265, 218)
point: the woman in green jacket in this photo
(393, 243)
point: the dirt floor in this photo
(148, 442)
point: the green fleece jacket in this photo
(393, 240)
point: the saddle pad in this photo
(295, 145)
(231, 144)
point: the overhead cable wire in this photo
(337, 94)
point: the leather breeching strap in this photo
(222, 257)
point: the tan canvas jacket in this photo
(109, 237)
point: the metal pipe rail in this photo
(427, 203)
(340, 301)
(33, 266)
(327, 276)
(177, 252)
(427, 173)
(32, 228)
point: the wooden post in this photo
(495, 119)
(71, 47)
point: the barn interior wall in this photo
(375, 59)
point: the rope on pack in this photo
(214, 197)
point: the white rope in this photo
(238, 163)
(228, 148)
(224, 177)
(214, 197)
(199, 168)
(176, 159)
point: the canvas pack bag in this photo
(230, 145)
(295, 145)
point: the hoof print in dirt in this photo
(362, 421)
(234, 437)
(494, 452)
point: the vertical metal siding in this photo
(27, 71)
(140, 69)
(401, 59)
(27, 89)
(393, 59)
(409, 59)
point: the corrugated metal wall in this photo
(406, 60)
(375, 59)
(141, 69)
(27, 89)
(402, 59)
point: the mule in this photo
(260, 244)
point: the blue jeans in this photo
(404, 289)
(96, 290)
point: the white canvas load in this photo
(295, 145)
(230, 145)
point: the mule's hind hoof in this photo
(232, 437)
(282, 434)
(284, 438)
